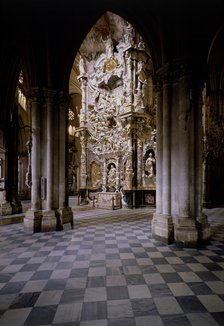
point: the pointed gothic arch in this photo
(114, 72)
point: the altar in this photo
(116, 127)
(109, 200)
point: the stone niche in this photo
(117, 131)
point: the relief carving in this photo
(117, 108)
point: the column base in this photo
(48, 221)
(162, 228)
(185, 232)
(32, 221)
(204, 231)
(5, 208)
(207, 204)
(16, 207)
(65, 218)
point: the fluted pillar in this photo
(202, 224)
(162, 226)
(166, 163)
(159, 146)
(185, 230)
(32, 220)
(49, 217)
(179, 215)
(65, 212)
(63, 104)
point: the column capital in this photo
(63, 99)
(49, 94)
(172, 72)
(35, 94)
(157, 83)
(164, 74)
(181, 68)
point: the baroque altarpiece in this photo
(117, 131)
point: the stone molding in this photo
(171, 73)
(35, 94)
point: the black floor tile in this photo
(199, 288)
(207, 276)
(55, 284)
(72, 295)
(41, 316)
(176, 321)
(79, 272)
(159, 290)
(29, 267)
(121, 322)
(171, 277)
(190, 304)
(219, 317)
(134, 279)
(94, 310)
(12, 287)
(96, 281)
(24, 300)
(117, 293)
(144, 307)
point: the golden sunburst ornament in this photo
(110, 65)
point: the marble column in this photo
(185, 232)
(202, 224)
(49, 218)
(32, 220)
(166, 162)
(162, 226)
(206, 157)
(65, 212)
(15, 202)
(159, 147)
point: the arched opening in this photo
(213, 123)
(113, 113)
(115, 127)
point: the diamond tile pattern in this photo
(108, 271)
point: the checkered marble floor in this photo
(108, 271)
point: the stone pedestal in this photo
(162, 228)
(185, 232)
(32, 221)
(48, 221)
(65, 219)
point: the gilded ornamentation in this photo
(118, 112)
(110, 65)
(95, 175)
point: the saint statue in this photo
(111, 177)
(149, 165)
(109, 47)
(82, 66)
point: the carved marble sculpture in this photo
(117, 118)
